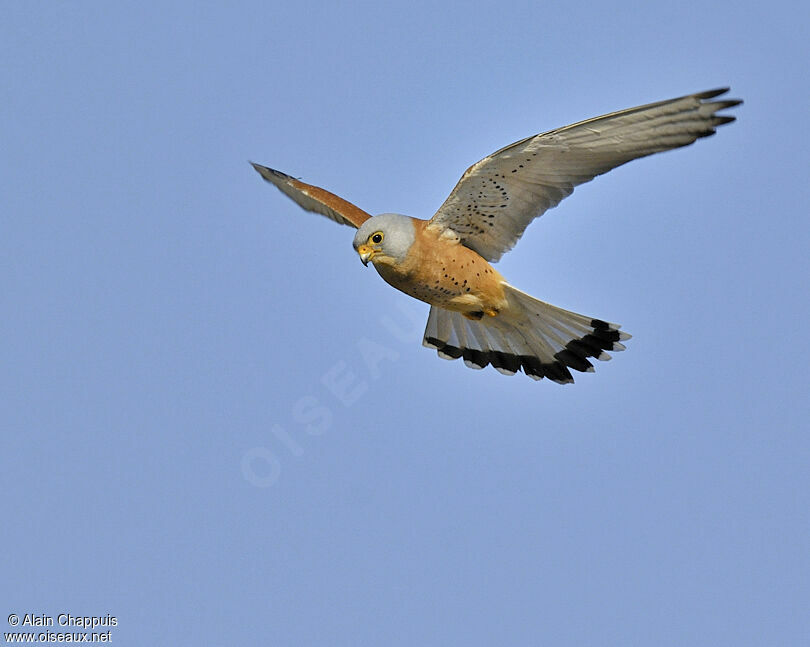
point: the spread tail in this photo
(539, 338)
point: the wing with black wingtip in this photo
(315, 199)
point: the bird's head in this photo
(384, 239)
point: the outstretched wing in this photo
(315, 199)
(497, 198)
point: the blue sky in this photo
(222, 429)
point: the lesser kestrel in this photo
(445, 261)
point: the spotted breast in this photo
(442, 272)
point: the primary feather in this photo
(497, 198)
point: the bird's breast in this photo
(442, 272)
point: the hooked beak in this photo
(366, 254)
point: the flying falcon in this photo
(445, 261)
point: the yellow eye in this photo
(376, 238)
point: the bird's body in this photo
(443, 272)
(445, 261)
(475, 314)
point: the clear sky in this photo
(194, 438)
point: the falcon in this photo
(446, 261)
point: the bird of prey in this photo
(445, 261)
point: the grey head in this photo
(386, 237)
